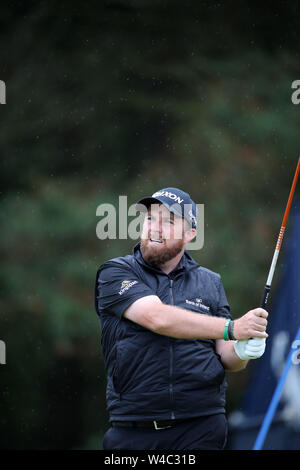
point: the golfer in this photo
(168, 337)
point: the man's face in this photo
(162, 235)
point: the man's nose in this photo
(156, 225)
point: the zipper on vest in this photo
(171, 352)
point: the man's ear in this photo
(189, 235)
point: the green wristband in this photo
(226, 337)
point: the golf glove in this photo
(250, 348)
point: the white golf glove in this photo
(250, 348)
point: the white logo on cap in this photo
(172, 196)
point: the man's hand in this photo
(251, 325)
(250, 348)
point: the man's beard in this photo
(158, 257)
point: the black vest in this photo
(151, 376)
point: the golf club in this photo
(267, 288)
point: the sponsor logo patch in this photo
(126, 285)
(197, 303)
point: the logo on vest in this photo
(126, 285)
(197, 303)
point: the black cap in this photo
(176, 201)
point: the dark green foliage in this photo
(123, 98)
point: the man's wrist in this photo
(231, 331)
(228, 334)
(226, 327)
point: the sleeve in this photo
(116, 288)
(223, 306)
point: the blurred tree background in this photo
(122, 98)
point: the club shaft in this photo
(267, 289)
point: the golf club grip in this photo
(264, 299)
(265, 296)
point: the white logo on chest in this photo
(197, 303)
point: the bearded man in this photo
(168, 337)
